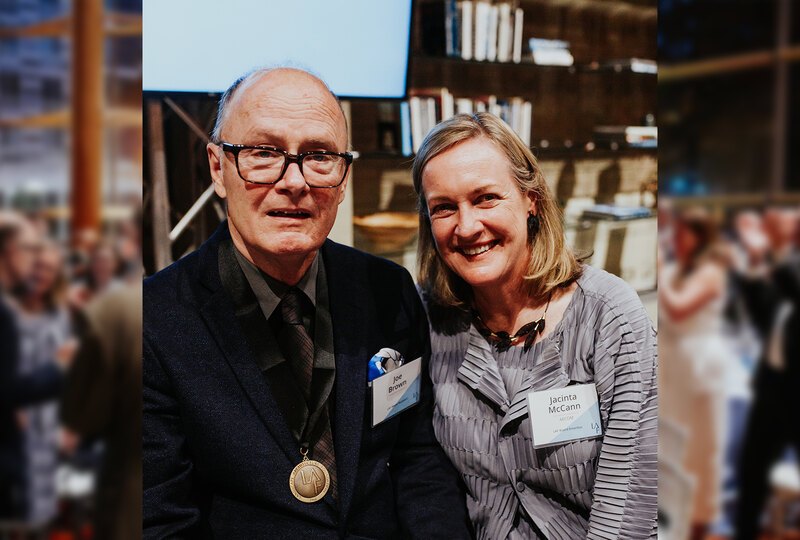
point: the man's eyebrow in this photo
(279, 140)
(325, 143)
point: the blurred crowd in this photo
(729, 332)
(70, 322)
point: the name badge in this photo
(396, 391)
(564, 414)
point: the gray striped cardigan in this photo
(598, 488)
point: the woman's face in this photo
(103, 265)
(686, 242)
(478, 213)
(45, 273)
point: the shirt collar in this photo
(269, 290)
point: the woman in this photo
(695, 353)
(513, 312)
(101, 275)
(45, 338)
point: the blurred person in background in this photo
(102, 271)
(19, 244)
(770, 284)
(666, 235)
(694, 353)
(103, 397)
(45, 328)
(129, 248)
(83, 243)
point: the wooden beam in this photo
(87, 115)
(123, 25)
(116, 25)
(726, 64)
(61, 119)
(162, 246)
(59, 27)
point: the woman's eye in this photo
(488, 197)
(442, 209)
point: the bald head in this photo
(272, 77)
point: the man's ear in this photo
(343, 187)
(215, 157)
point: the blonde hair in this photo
(552, 263)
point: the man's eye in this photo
(266, 154)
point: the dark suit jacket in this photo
(763, 297)
(217, 451)
(15, 392)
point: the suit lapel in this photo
(351, 312)
(220, 315)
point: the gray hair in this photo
(227, 96)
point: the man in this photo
(103, 399)
(771, 289)
(256, 350)
(19, 242)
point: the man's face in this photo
(21, 253)
(292, 111)
(780, 225)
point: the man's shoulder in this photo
(359, 262)
(170, 286)
(168, 277)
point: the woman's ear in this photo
(533, 207)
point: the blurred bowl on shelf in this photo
(388, 231)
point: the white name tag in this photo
(396, 391)
(564, 414)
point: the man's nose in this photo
(293, 179)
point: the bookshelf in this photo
(602, 87)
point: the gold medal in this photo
(309, 480)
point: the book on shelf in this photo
(626, 136)
(636, 65)
(465, 25)
(451, 30)
(406, 148)
(491, 45)
(550, 52)
(505, 32)
(483, 30)
(480, 46)
(429, 106)
(516, 53)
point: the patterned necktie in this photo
(300, 353)
(299, 343)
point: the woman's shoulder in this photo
(606, 288)
(612, 299)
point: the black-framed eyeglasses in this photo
(266, 165)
